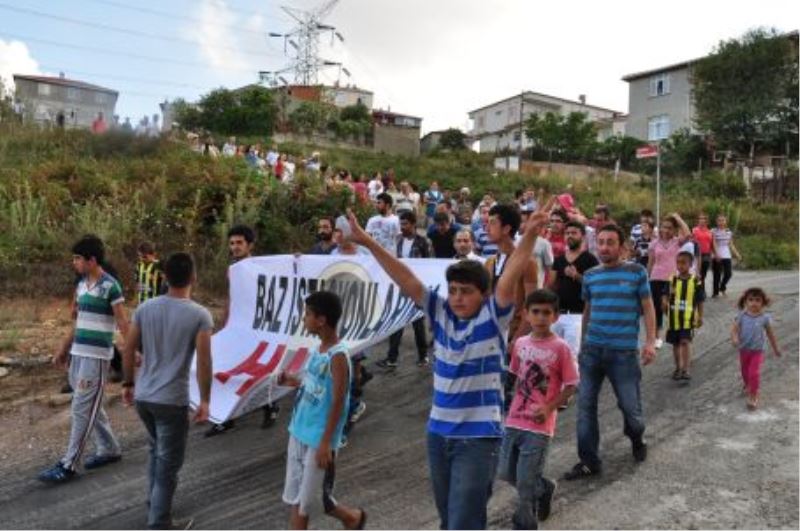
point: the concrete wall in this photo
(676, 104)
(396, 140)
(79, 105)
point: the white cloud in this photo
(15, 58)
(218, 43)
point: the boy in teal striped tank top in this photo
(318, 419)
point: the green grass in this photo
(56, 186)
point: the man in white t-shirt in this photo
(384, 227)
(375, 187)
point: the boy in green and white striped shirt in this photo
(98, 300)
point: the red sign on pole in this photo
(648, 151)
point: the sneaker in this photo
(56, 474)
(183, 523)
(219, 429)
(639, 450)
(360, 409)
(386, 364)
(366, 376)
(98, 461)
(545, 502)
(270, 416)
(580, 471)
(423, 362)
(659, 343)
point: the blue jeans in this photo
(623, 371)
(522, 459)
(462, 473)
(167, 427)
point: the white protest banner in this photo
(265, 335)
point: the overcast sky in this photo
(437, 59)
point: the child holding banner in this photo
(318, 419)
(469, 327)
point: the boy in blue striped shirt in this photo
(616, 294)
(469, 326)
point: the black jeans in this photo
(721, 273)
(419, 338)
(705, 265)
(659, 288)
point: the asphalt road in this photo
(711, 463)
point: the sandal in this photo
(362, 522)
(676, 375)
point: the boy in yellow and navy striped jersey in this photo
(684, 307)
(149, 276)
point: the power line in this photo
(173, 15)
(105, 27)
(123, 78)
(120, 53)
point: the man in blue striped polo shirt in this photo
(616, 295)
(469, 326)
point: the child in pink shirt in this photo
(661, 260)
(546, 378)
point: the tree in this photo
(682, 151)
(569, 138)
(257, 110)
(353, 121)
(249, 111)
(6, 109)
(545, 133)
(311, 116)
(745, 92)
(620, 148)
(187, 114)
(453, 139)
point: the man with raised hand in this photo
(469, 327)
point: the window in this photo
(658, 127)
(73, 94)
(659, 85)
(44, 89)
(99, 97)
(481, 122)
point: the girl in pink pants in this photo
(751, 329)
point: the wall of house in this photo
(498, 124)
(344, 97)
(677, 104)
(396, 140)
(80, 106)
(429, 142)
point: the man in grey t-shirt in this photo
(167, 330)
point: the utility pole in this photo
(521, 132)
(658, 182)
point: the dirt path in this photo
(711, 463)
